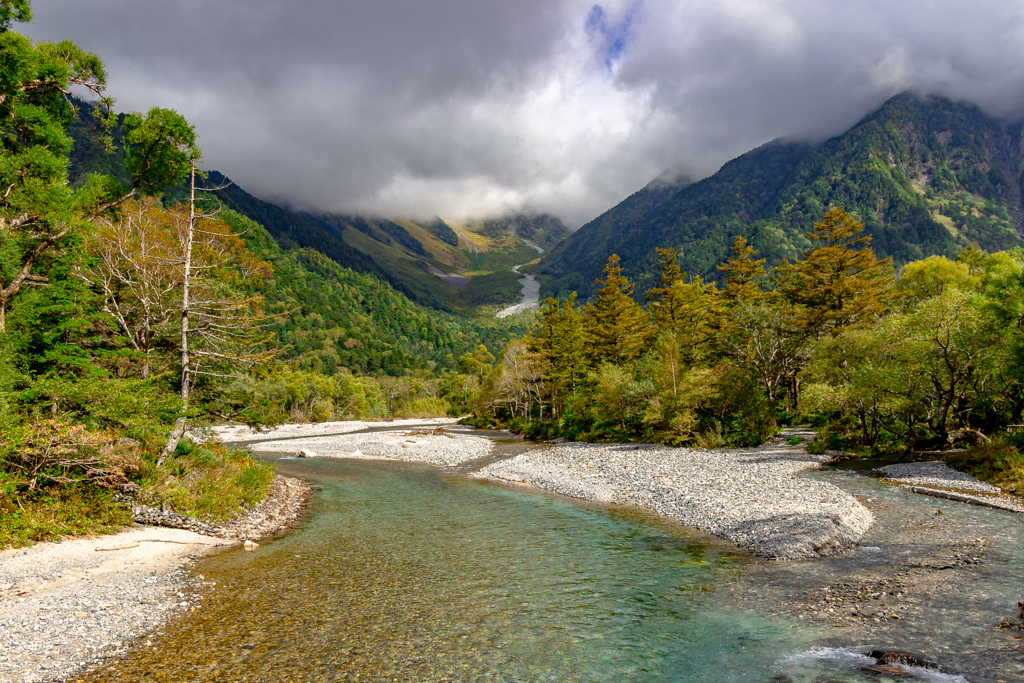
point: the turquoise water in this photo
(409, 573)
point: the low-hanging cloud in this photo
(461, 108)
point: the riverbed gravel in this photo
(749, 496)
(241, 434)
(67, 606)
(937, 474)
(440, 444)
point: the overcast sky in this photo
(467, 108)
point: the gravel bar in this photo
(437, 442)
(748, 496)
(67, 606)
(935, 474)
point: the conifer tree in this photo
(744, 276)
(39, 211)
(690, 311)
(560, 340)
(840, 283)
(618, 327)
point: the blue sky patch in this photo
(612, 38)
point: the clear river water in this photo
(404, 572)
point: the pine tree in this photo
(744, 275)
(690, 311)
(618, 327)
(560, 339)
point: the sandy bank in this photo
(66, 606)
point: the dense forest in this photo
(928, 359)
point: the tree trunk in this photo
(186, 378)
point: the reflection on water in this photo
(408, 573)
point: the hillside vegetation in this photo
(131, 311)
(924, 176)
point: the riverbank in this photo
(65, 607)
(435, 441)
(748, 496)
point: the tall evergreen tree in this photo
(744, 275)
(560, 339)
(840, 283)
(618, 327)
(39, 210)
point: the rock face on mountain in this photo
(925, 176)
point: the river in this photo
(405, 572)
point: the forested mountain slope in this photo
(925, 176)
(406, 254)
(328, 317)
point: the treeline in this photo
(880, 362)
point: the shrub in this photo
(207, 481)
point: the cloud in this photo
(460, 108)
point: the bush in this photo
(210, 482)
(51, 513)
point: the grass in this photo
(209, 482)
(54, 513)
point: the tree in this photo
(132, 267)
(560, 340)
(690, 311)
(840, 283)
(760, 339)
(38, 209)
(617, 326)
(744, 276)
(219, 331)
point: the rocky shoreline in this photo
(65, 607)
(748, 496)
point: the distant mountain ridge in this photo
(407, 254)
(925, 176)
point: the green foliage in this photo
(998, 462)
(52, 514)
(502, 287)
(616, 325)
(160, 148)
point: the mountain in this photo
(447, 266)
(925, 176)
